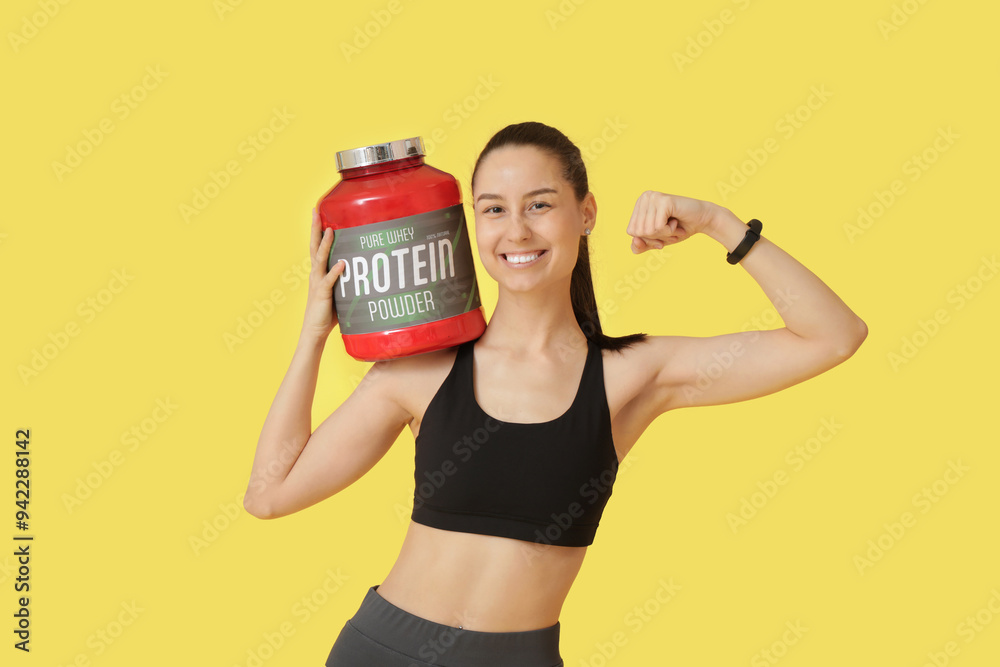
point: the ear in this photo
(589, 207)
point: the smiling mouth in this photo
(520, 259)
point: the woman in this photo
(483, 584)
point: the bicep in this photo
(345, 446)
(733, 367)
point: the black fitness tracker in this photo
(751, 237)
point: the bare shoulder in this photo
(634, 400)
(412, 381)
(630, 371)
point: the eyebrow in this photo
(539, 191)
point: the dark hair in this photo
(558, 145)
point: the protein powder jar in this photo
(409, 286)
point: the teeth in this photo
(521, 259)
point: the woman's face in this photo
(528, 221)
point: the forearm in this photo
(288, 425)
(809, 308)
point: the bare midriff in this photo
(481, 582)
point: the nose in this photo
(518, 229)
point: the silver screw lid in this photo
(368, 155)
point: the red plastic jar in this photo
(410, 283)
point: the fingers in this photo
(664, 222)
(630, 229)
(660, 219)
(318, 251)
(641, 244)
(651, 220)
(314, 233)
(335, 272)
(321, 240)
(639, 224)
(322, 254)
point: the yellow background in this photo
(683, 127)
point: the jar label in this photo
(404, 272)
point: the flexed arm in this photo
(820, 330)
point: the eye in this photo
(541, 203)
(487, 210)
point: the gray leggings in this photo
(380, 634)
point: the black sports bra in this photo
(545, 482)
